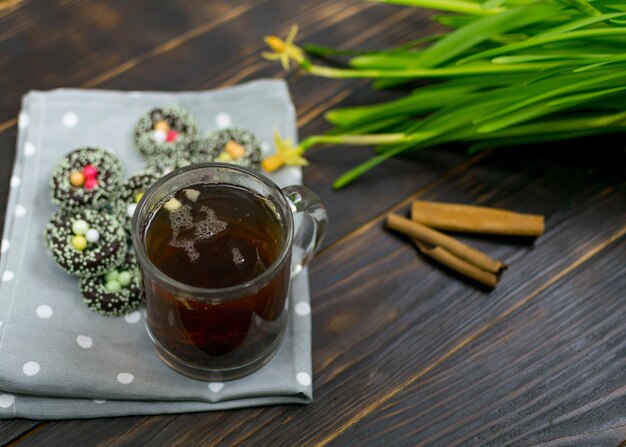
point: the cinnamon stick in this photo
(476, 219)
(457, 264)
(433, 237)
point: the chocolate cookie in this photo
(233, 145)
(165, 131)
(114, 293)
(116, 208)
(86, 241)
(161, 166)
(132, 191)
(87, 177)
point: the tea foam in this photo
(181, 217)
(195, 242)
(189, 246)
(237, 256)
(209, 226)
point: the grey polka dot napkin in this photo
(60, 360)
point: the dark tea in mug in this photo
(216, 236)
(214, 244)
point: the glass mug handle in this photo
(308, 238)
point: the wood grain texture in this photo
(7, 143)
(67, 43)
(404, 352)
(11, 429)
(551, 372)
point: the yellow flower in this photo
(286, 154)
(284, 50)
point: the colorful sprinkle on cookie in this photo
(165, 131)
(87, 177)
(114, 293)
(161, 166)
(132, 191)
(232, 145)
(86, 241)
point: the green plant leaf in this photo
(542, 109)
(584, 6)
(578, 24)
(464, 38)
(511, 72)
(462, 6)
(543, 40)
(490, 4)
(419, 102)
(554, 87)
(322, 51)
(388, 61)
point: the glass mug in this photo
(226, 333)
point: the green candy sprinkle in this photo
(80, 227)
(112, 276)
(113, 286)
(124, 278)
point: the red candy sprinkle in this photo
(90, 172)
(171, 136)
(90, 183)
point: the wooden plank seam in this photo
(473, 336)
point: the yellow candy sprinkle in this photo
(79, 242)
(224, 156)
(138, 196)
(77, 178)
(162, 126)
(235, 150)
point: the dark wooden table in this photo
(404, 352)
